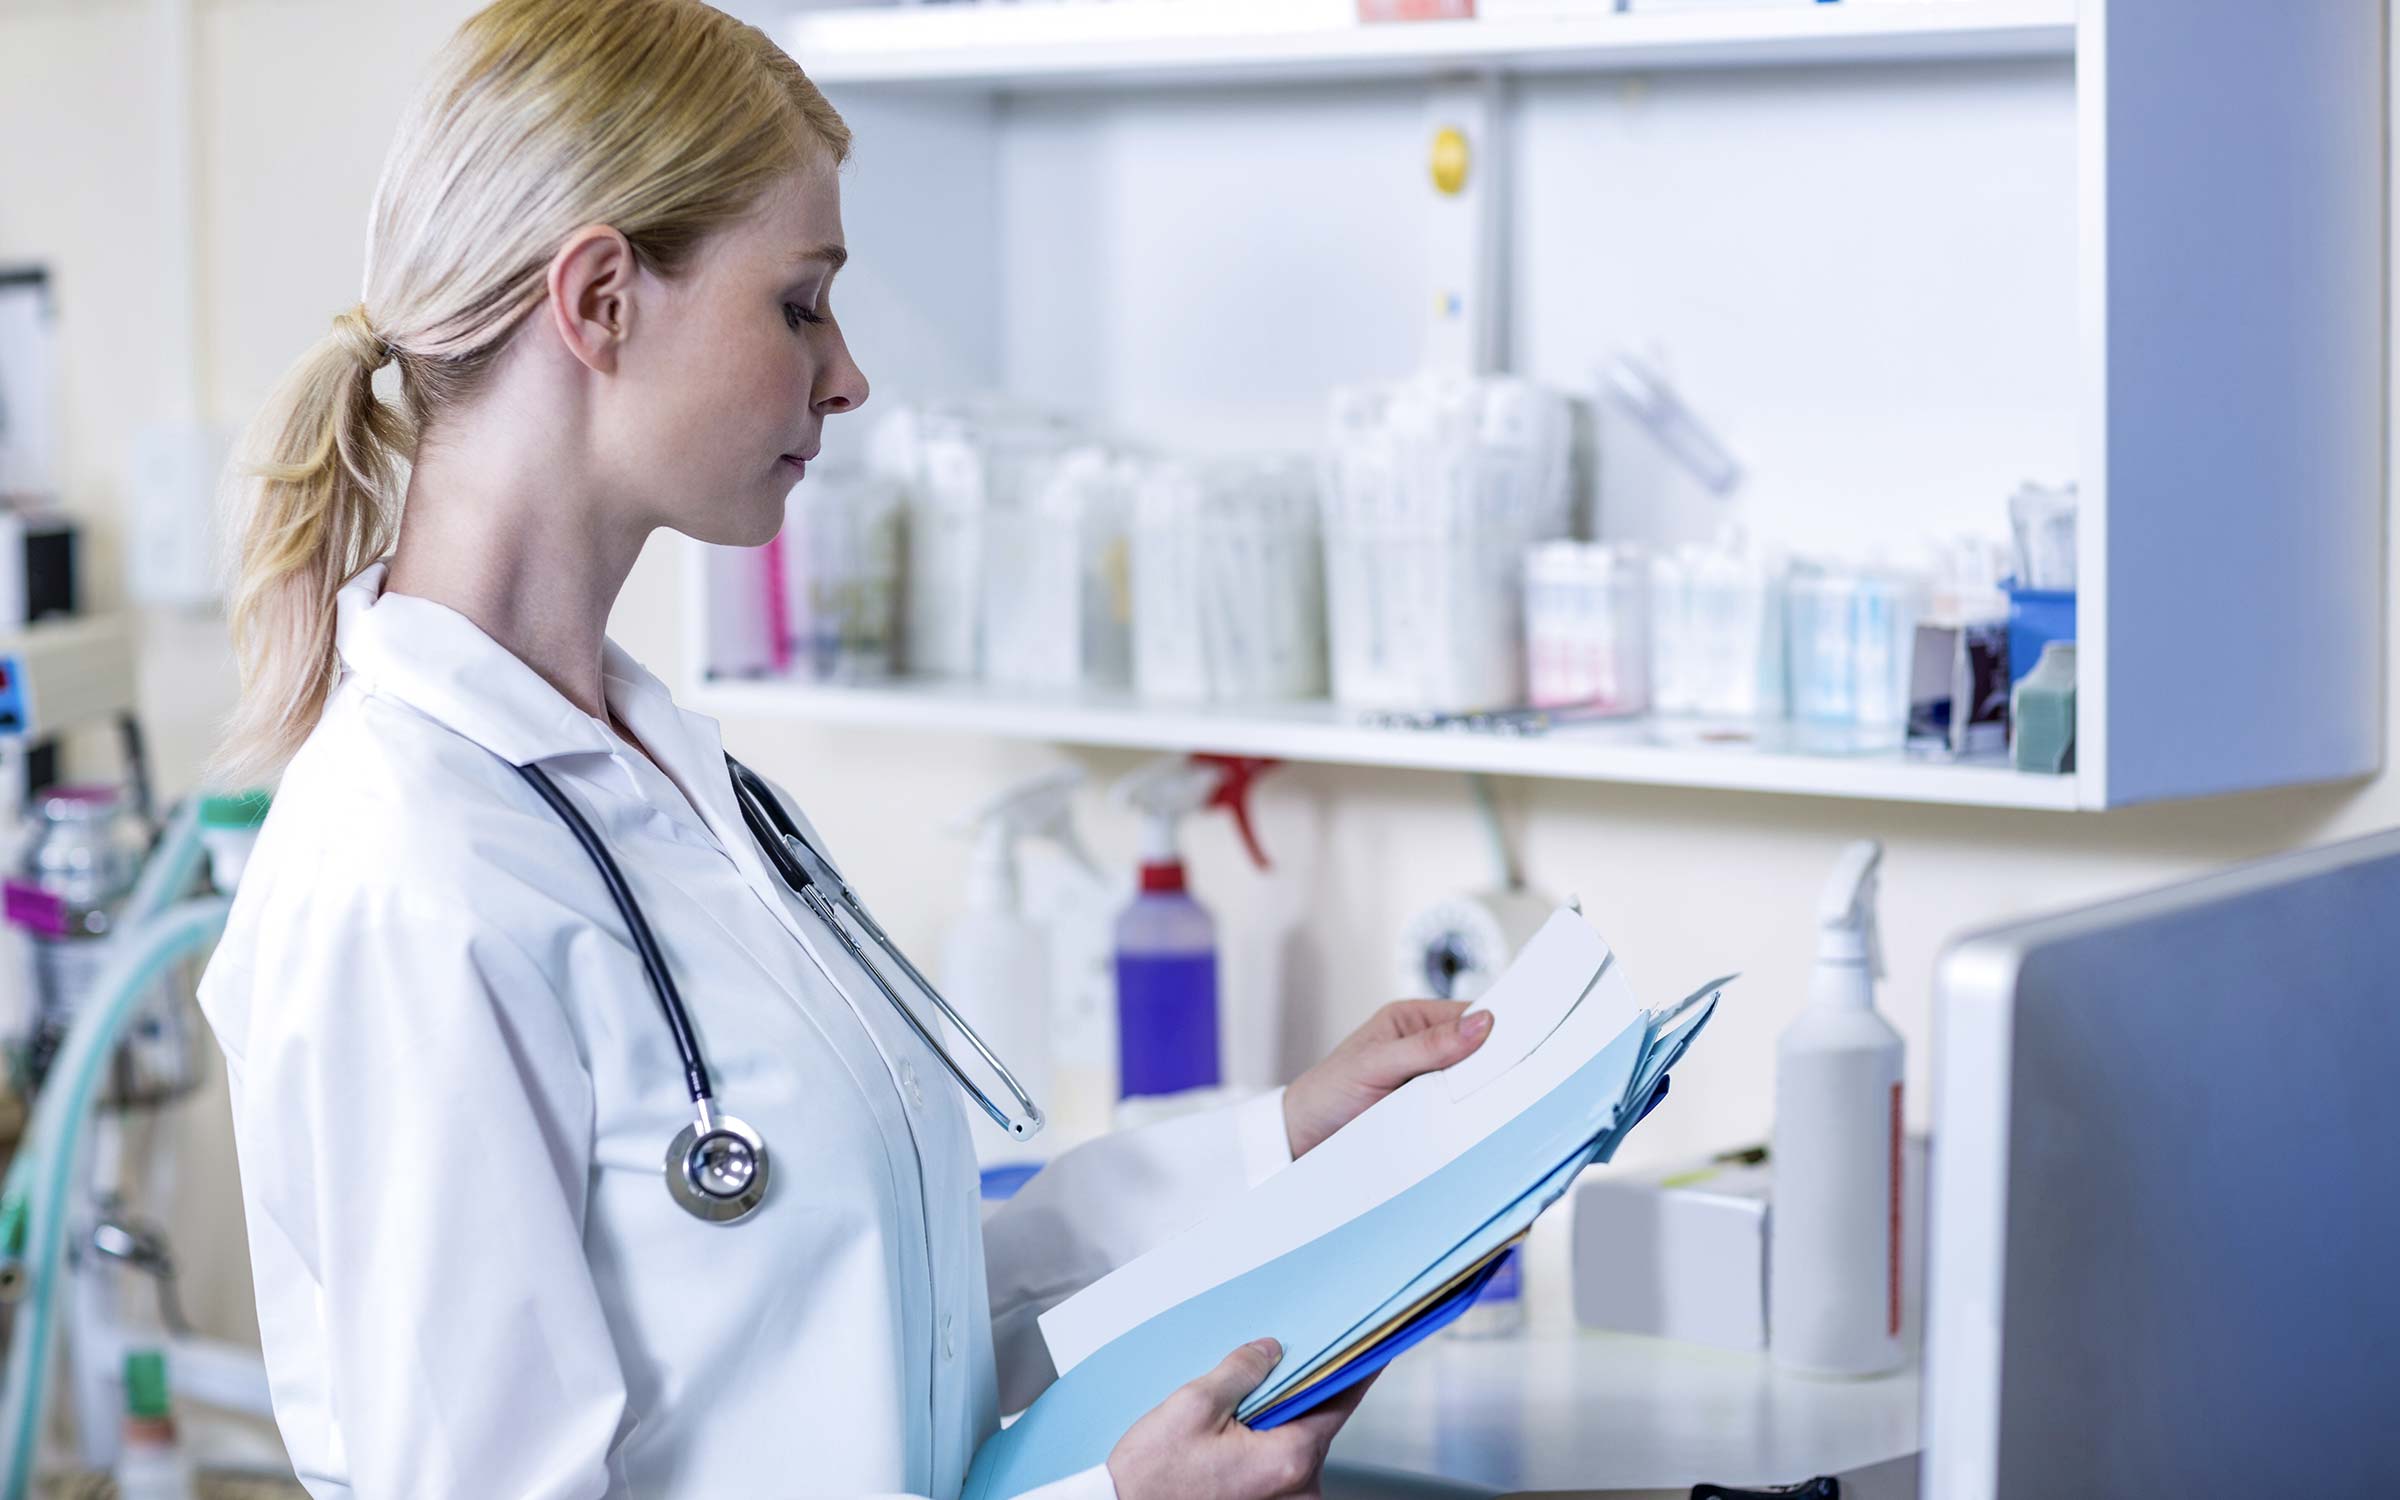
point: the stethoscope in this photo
(717, 1165)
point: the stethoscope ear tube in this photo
(786, 849)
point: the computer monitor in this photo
(2165, 1192)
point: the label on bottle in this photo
(1892, 1248)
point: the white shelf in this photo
(1629, 752)
(1257, 41)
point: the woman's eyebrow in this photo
(833, 255)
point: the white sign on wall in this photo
(29, 402)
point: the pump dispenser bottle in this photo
(1833, 1250)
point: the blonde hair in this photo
(666, 119)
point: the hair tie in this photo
(358, 335)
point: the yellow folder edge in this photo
(1393, 1324)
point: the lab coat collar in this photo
(690, 745)
(442, 664)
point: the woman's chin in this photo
(749, 525)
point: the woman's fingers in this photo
(1406, 1017)
(1297, 1448)
(1433, 1043)
(1236, 1376)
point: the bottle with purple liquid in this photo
(1166, 942)
(1166, 988)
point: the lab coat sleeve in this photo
(1106, 1202)
(415, 1120)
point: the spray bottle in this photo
(996, 964)
(1833, 1279)
(1166, 942)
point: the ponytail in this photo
(316, 499)
(664, 118)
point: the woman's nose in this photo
(843, 386)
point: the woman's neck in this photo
(494, 536)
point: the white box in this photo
(1681, 1252)
(1678, 1254)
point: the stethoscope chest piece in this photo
(719, 1174)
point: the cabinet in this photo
(1906, 252)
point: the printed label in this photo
(1892, 1250)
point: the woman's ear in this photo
(591, 302)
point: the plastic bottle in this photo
(1833, 1279)
(1166, 942)
(996, 963)
(151, 1464)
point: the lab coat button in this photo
(908, 1077)
(949, 1337)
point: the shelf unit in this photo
(1321, 732)
(1139, 42)
(2221, 314)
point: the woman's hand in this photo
(1191, 1448)
(1405, 1038)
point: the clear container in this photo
(1717, 637)
(956, 466)
(1852, 633)
(1587, 627)
(1058, 588)
(79, 864)
(841, 552)
(1228, 582)
(1432, 490)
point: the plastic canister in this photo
(2036, 617)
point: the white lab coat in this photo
(453, 1091)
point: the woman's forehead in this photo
(800, 215)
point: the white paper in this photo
(1557, 1005)
(1530, 999)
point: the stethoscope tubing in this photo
(645, 944)
(774, 834)
(717, 1166)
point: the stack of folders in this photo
(1383, 1233)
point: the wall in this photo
(296, 101)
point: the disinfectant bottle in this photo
(1166, 942)
(1833, 1278)
(996, 963)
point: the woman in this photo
(600, 256)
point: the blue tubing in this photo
(37, 1186)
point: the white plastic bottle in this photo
(151, 1464)
(1833, 1262)
(996, 963)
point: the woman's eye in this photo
(794, 315)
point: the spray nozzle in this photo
(1041, 807)
(1235, 776)
(1170, 790)
(1846, 929)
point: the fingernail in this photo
(1475, 1024)
(1267, 1347)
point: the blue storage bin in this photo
(2036, 617)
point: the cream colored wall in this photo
(297, 98)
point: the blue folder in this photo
(1321, 1300)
